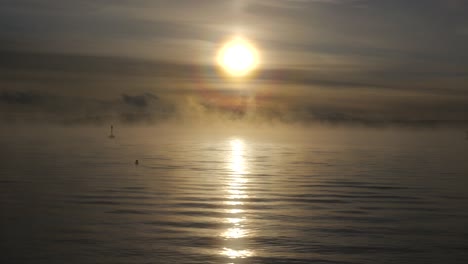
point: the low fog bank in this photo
(233, 109)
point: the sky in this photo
(146, 62)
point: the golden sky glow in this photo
(299, 61)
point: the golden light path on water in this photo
(235, 193)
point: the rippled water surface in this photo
(390, 197)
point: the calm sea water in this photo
(336, 197)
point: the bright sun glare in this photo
(238, 57)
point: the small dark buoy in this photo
(136, 162)
(111, 132)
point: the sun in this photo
(238, 57)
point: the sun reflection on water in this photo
(234, 221)
(235, 211)
(236, 194)
(233, 202)
(236, 191)
(234, 232)
(231, 253)
(237, 157)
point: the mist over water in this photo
(316, 195)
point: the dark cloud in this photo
(28, 106)
(139, 100)
(20, 97)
